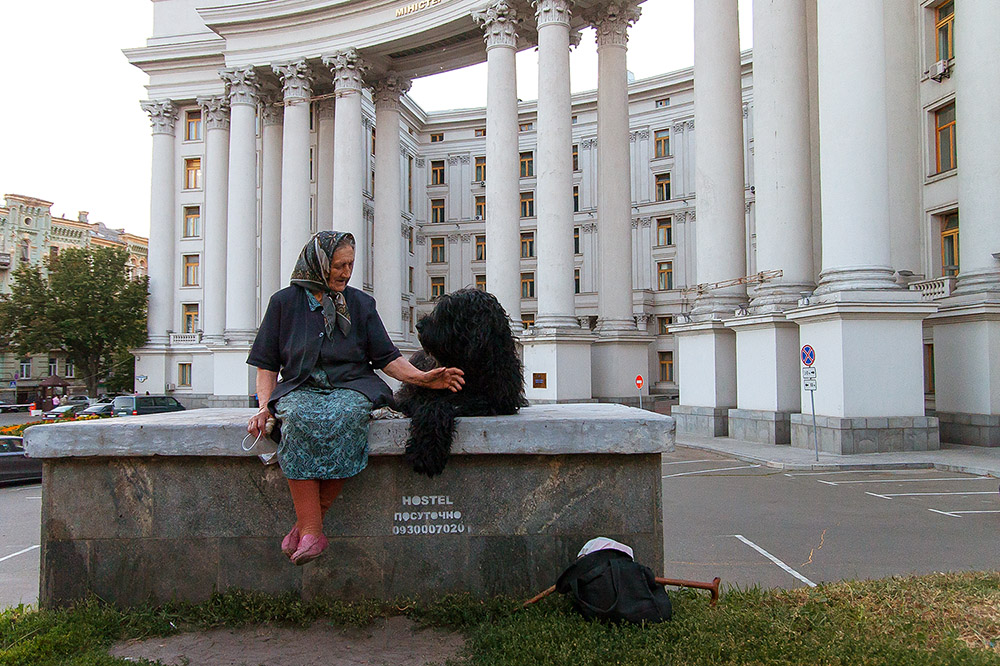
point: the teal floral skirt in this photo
(324, 431)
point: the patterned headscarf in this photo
(311, 272)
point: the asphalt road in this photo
(20, 522)
(724, 517)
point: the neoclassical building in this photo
(696, 228)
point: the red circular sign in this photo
(638, 381)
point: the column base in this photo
(767, 365)
(706, 353)
(151, 363)
(970, 429)
(705, 421)
(761, 426)
(557, 365)
(239, 336)
(231, 376)
(848, 436)
(616, 359)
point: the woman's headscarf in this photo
(312, 271)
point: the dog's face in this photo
(464, 327)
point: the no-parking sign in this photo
(808, 355)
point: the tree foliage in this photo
(90, 309)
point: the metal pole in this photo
(812, 399)
(640, 398)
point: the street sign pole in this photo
(812, 399)
(638, 385)
(808, 355)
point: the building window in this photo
(409, 184)
(524, 127)
(527, 165)
(480, 248)
(528, 245)
(373, 140)
(576, 240)
(944, 121)
(312, 171)
(480, 131)
(576, 198)
(437, 211)
(576, 156)
(190, 270)
(527, 285)
(184, 374)
(437, 172)
(481, 169)
(663, 324)
(192, 129)
(662, 103)
(437, 137)
(25, 371)
(663, 187)
(192, 173)
(437, 250)
(412, 323)
(576, 280)
(666, 366)
(70, 369)
(665, 275)
(409, 282)
(928, 368)
(527, 204)
(192, 221)
(190, 313)
(527, 319)
(945, 20)
(481, 282)
(437, 287)
(664, 231)
(409, 240)
(949, 244)
(573, 120)
(53, 366)
(480, 208)
(661, 143)
(53, 253)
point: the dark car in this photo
(15, 465)
(8, 407)
(100, 409)
(132, 405)
(70, 411)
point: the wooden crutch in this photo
(712, 587)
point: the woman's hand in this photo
(258, 423)
(443, 378)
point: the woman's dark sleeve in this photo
(266, 351)
(381, 351)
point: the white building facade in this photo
(817, 202)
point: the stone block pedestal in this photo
(708, 421)
(848, 436)
(557, 365)
(765, 427)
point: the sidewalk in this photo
(979, 460)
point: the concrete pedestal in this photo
(174, 497)
(557, 365)
(706, 353)
(235, 382)
(616, 358)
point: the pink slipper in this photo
(291, 542)
(311, 546)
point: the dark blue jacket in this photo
(291, 339)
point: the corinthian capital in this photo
(215, 111)
(551, 11)
(348, 69)
(242, 85)
(162, 116)
(272, 112)
(296, 79)
(611, 22)
(389, 89)
(499, 22)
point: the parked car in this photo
(15, 465)
(9, 407)
(99, 408)
(69, 411)
(77, 400)
(132, 405)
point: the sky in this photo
(72, 132)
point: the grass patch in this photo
(942, 619)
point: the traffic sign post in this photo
(638, 385)
(808, 356)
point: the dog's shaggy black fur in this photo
(467, 329)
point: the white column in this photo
(719, 170)
(977, 117)
(348, 68)
(271, 277)
(554, 169)
(503, 199)
(323, 163)
(241, 269)
(296, 80)
(162, 214)
(215, 115)
(388, 279)
(782, 155)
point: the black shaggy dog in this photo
(467, 329)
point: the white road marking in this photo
(20, 552)
(706, 471)
(774, 559)
(877, 495)
(951, 478)
(974, 492)
(688, 462)
(945, 513)
(991, 511)
(856, 471)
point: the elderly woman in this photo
(326, 340)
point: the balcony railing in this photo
(185, 338)
(931, 290)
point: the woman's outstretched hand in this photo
(444, 378)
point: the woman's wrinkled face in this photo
(341, 267)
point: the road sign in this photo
(13, 384)
(808, 355)
(638, 381)
(808, 373)
(809, 384)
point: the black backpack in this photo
(609, 585)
